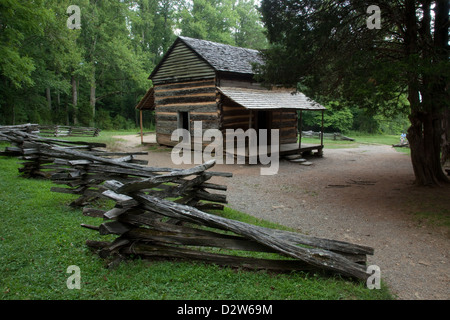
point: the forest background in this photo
(96, 74)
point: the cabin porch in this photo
(285, 149)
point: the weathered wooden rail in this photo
(83, 167)
(85, 174)
(56, 159)
(143, 222)
(53, 130)
(28, 127)
(37, 151)
(67, 131)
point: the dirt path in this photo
(362, 195)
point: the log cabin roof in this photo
(270, 99)
(195, 58)
(223, 57)
(148, 100)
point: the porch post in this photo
(142, 132)
(321, 136)
(300, 131)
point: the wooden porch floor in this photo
(293, 148)
(285, 149)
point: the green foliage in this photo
(343, 118)
(225, 21)
(85, 115)
(103, 120)
(20, 20)
(209, 20)
(117, 47)
(120, 123)
(337, 118)
(397, 125)
(250, 31)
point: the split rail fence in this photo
(332, 136)
(68, 131)
(161, 213)
(54, 130)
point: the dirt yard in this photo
(362, 195)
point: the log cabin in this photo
(199, 80)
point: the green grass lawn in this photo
(105, 137)
(40, 237)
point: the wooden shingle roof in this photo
(148, 100)
(270, 99)
(223, 57)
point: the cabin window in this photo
(183, 120)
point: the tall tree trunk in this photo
(441, 39)
(92, 95)
(424, 135)
(445, 147)
(74, 99)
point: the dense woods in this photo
(97, 73)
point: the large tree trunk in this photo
(92, 100)
(441, 39)
(427, 111)
(424, 140)
(445, 153)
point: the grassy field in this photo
(40, 237)
(105, 137)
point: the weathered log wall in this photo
(286, 121)
(181, 64)
(198, 98)
(234, 116)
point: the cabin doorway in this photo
(264, 122)
(183, 121)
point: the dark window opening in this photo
(183, 120)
